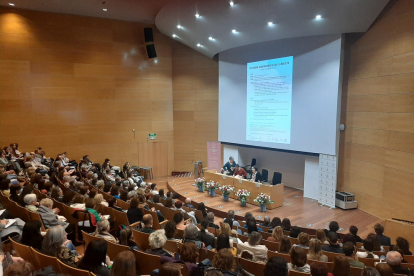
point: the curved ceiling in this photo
(290, 18)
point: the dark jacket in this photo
(158, 252)
(333, 248)
(206, 238)
(189, 206)
(134, 215)
(258, 177)
(211, 224)
(384, 240)
(147, 230)
(398, 269)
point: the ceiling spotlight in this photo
(105, 9)
(270, 23)
(174, 35)
(179, 26)
(318, 16)
(198, 45)
(11, 4)
(231, 3)
(233, 31)
(197, 15)
(210, 38)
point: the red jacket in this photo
(241, 172)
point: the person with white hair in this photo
(157, 240)
(31, 202)
(102, 231)
(394, 259)
(188, 203)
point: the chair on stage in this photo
(248, 168)
(277, 178)
(265, 175)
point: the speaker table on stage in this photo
(345, 200)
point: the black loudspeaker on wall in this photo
(149, 36)
(151, 51)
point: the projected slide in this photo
(269, 100)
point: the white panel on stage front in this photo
(311, 180)
(328, 165)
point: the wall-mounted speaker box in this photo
(151, 51)
(149, 36)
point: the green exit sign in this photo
(152, 136)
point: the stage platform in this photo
(302, 212)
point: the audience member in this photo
(148, 223)
(354, 231)
(286, 224)
(188, 203)
(319, 269)
(57, 194)
(320, 235)
(383, 240)
(253, 246)
(230, 215)
(394, 259)
(223, 243)
(78, 202)
(204, 236)
(191, 235)
(277, 234)
(154, 189)
(276, 266)
(90, 206)
(350, 254)
(31, 235)
(404, 245)
(384, 269)
(294, 232)
(303, 240)
(102, 231)
(266, 222)
(298, 260)
(202, 208)
(125, 238)
(226, 229)
(168, 269)
(375, 240)
(95, 256)
(67, 197)
(100, 200)
(124, 264)
(369, 271)
(21, 268)
(285, 245)
(14, 192)
(189, 255)
(210, 217)
(54, 244)
(368, 248)
(315, 251)
(112, 204)
(157, 240)
(341, 266)
(179, 221)
(31, 202)
(333, 246)
(134, 213)
(275, 223)
(170, 229)
(224, 261)
(348, 238)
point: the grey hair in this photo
(132, 194)
(210, 216)
(98, 198)
(394, 258)
(230, 214)
(191, 232)
(47, 202)
(254, 238)
(267, 218)
(102, 226)
(188, 200)
(53, 240)
(29, 198)
(231, 158)
(157, 239)
(100, 183)
(66, 178)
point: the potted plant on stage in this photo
(263, 199)
(200, 184)
(212, 186)
(226, 190)
(243, 195)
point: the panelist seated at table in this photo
(239, 172)
(256, 176)
(228, 168)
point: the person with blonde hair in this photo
(225, 229)
(102, 231)
(315, 251)
(277, 234)
(100, 200)
(253, 246)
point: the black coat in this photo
(134, 215)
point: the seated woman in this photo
(5, 186)
(169, 203)
(54, 244)
(294, 232)
(124, 264)
(28, 189)
(204, 236)
(125, 238)
(12, 230)
(78, 202)
(254, 247)
(251, 225)
(31, 235)
(315, 251)
(57, 194)
(100, 200)
(134, 213)
(189, 255)
(90, 206)
(47, 188)
(285, 245)
(298, 260)
(170, 269)
(225, 229)
(157, 240)
(320, 235)
(31, 202)
(303, 240)
(14, 192)
(102, 231)
(112, 204)
(223, 242)
(95, 256)
(191, 235)
(84, 191)
(179, 221)
(170, 229)
(224, 260)
(277, 234)
(115, 192)
(368, 248)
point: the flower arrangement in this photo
(226, 189)
(211, 185)
(242, 195)
(200, 182)
(263, 199)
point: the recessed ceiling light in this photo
(197, 15)
(198, 45)
(155, 60)
(318, 16)
(105, 9)
(11, 4)
(231, 3)
(179, 26)
(270, 23)
(233, 31)
(210, 38)
(174, 35)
